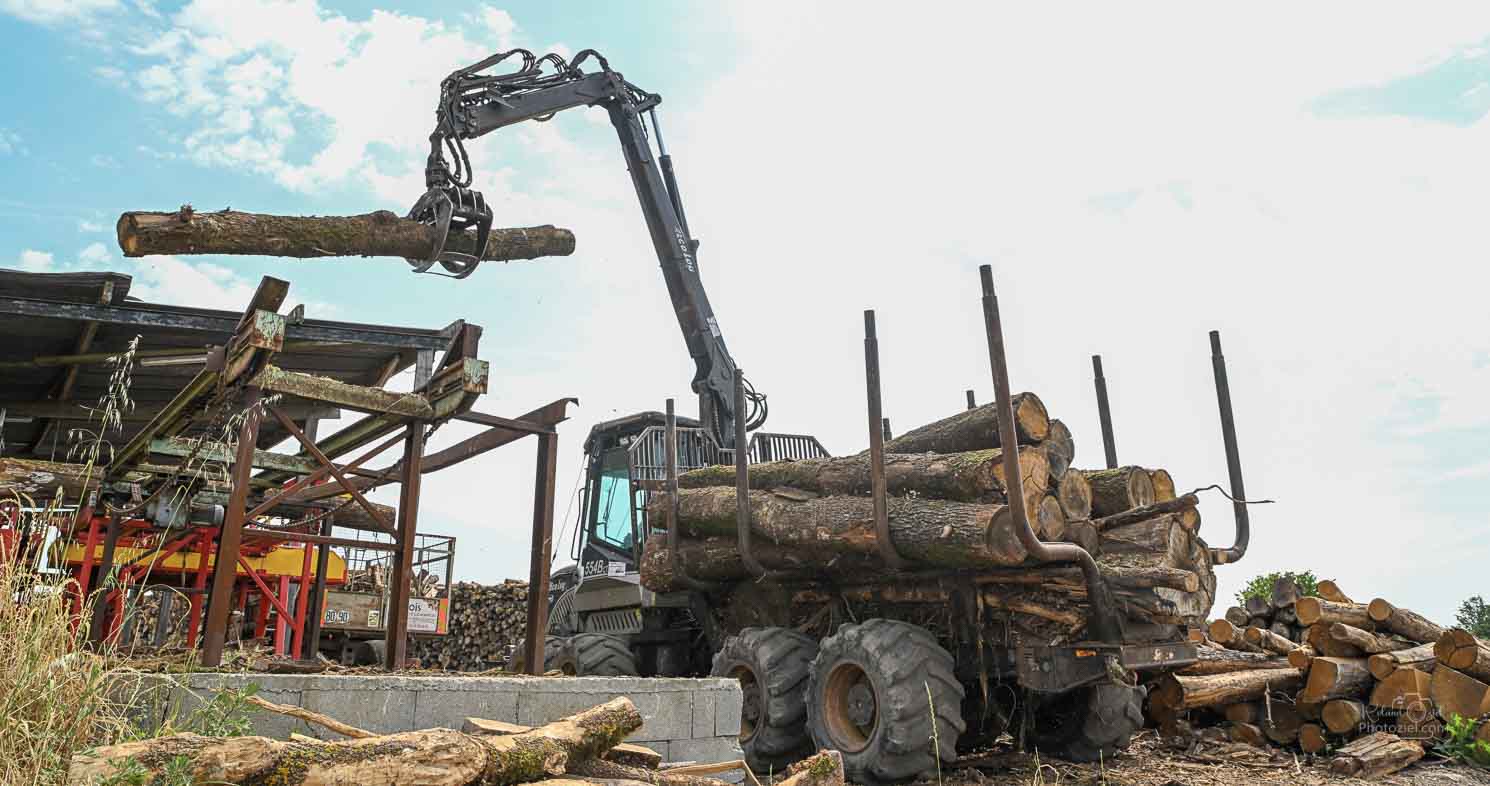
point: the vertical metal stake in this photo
(972, 400)
(877, 436)
(1104, 412)
(225, 572)
(742, 481)
(1233, 459)
(396, 631)
(542, 551)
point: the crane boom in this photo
(475, 102)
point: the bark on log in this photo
(975, 429)
(1231, 637)
(824, 768)
(1258, 606)
(933, 532)
(1312, 738)
(1051, 520)
(1366, 641)
(1074, 493)
(1375, 755)
(376, 234)
(1237, 616)
(1302, 657)
(612, 772)
(1117, 490)
(1084, 533)
(1285, 593)
(717, 559)
(1185, 693)
(622, 753)
(1312, 610)
(976, 476)
(1420, 657)
(1460, 650)
(34, 482)
(1402, 688)
(436, 756)
(1226, 661)
(1402, 622)
(1318, 637)
(1163, 485)
(1177, 505)
(1281, 722)
(1343, 716)
(1060, 449)
(1336, 678)
(1456, 693)
(1247, 734)
(1330, 591)
(1244, 712)
(1269, 641)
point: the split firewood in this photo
(1060, 449)
(1375, 755)
(437, 756)
(622, 753)
(1228, 635)
(485, 621)
(300, 713)
(1402, 689)
(1268, 640)
(1311, 610)
(1402, 622)
(1420, 657)
(1366, 641)
(1312, 738)
(1343, 716)
(1456, 693)
(1459, 649)
(975, 429)
(1336, 678)
(1330, 591)
(974, 476)
(1184, 693)
(377, 234)
(1117, 490)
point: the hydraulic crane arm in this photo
(474, 102)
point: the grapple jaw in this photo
(452, 208)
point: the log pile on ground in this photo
(583, 748)
(1372, 684)
(485, 621)
(951, 507)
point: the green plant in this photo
(936, 745)
(1459, 742)
(227, 714)
(1474, 616)
(1262, 586)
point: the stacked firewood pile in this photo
(951, 506)
(374, 578)
(485, 621)
(585, 747)
(1370, 683)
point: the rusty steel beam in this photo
(341, 478)
(304, 537)
(105, 567)
(541, 552)
(318, 590)
(396, 643)
(68, 379)
(225, 574)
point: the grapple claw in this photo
(448, 208)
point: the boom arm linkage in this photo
(474, 103)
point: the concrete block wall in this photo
(683, 719)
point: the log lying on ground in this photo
(622, 753)
(1060, 449)
(1311, 610)
(1336, 678)
(975, 429)
(1281, 723)
(1269, 641)
(1455, 693)
(1402, 689)
(975, 476)
(1225, 661)
(436, 756)
(1247, 734)
(1459, 649)
(1117, 490)
(1312, 738)
(1375, 755)
(596, 771)
(1420, 657)
(1366, 641)
(1184, 693)
(1343, 716)
(1330, 591)
(1402, 622)
(376, 234)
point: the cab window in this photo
(613, 501)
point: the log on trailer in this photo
(1117, 490)
(975, 429)
(377, 234)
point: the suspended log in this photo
(1366, 641)
(1179, 505)
(1456, 693)
(1268, 641)
(934, 532)
(1051, 520)
(1460, 650)
(1312, 610)
(1230, 636)
(1336, 678)
(1060, 449)
(1163, 485)
(1402, 689)
(1420, 657)
(1402, 622)
(1185, 693)
(975, 429)
(436, 756)
(1375, 755)
(976, 476)
(1330, 591)
(1117, 490)
(376, 234)
(1075, 495)
(1312, 738)
(1343, 716)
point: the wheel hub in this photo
(861, 704)
(850, 708)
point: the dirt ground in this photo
(1150, 762)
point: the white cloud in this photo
(10, 142)
(103, 161)
(53, 11)
(33, 261)
(84, 225)
(94, 253)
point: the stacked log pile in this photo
(485, 621)
(951, 507)
(374, 578)
(1371, 683)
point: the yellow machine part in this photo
(282, 561)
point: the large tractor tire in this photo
(557, 656)
(1087, 724)
(600, 655)
(772, 665)
(883, 693)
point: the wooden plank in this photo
(359, 398)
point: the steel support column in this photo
(541, 553)
(323, 556)
(397, 629)
(101, 577)
(225, 574)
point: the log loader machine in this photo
(895, 692)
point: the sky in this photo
(1310, 180)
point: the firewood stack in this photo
(950, 507)
(1371, 683)
(485, 621)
